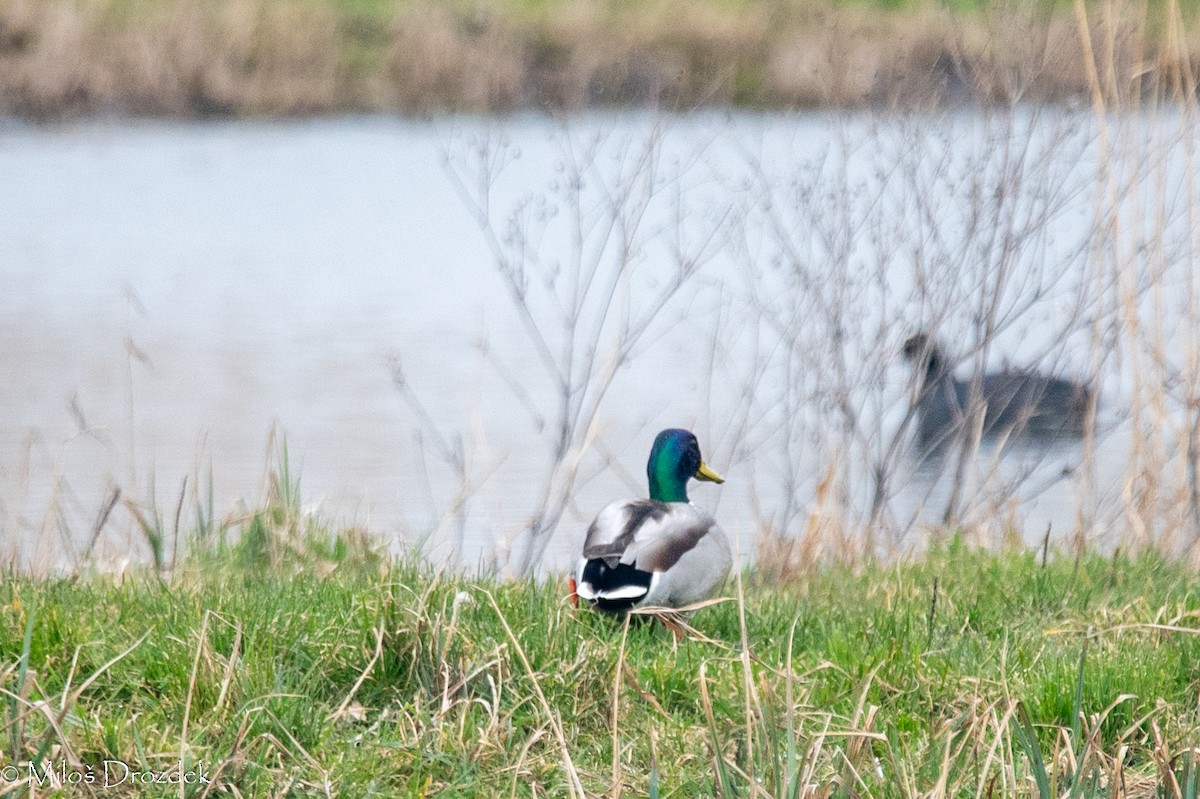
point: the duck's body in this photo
(662, 551)
(643, 552)
(1016, 402)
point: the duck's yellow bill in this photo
(705, 473)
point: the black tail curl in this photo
(602, 577)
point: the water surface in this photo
(172, 293)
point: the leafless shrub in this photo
(1060, 243)
(1025, 240)
(589, 264)
(967, 229)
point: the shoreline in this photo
(314, 58)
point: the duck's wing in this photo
(649, 535)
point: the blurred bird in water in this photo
(1017, 402)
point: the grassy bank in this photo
(289, 669)
(180, 57)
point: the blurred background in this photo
(440, 271)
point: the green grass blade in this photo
(1077, 706)
(1027, 738)
(14, 705)
(1076, 783)
(1191, 788)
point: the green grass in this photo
(299, 663)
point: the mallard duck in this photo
(662, 551)
(1018, 402)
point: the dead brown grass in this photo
(186, 58)
(203, 57)
(473, 64)
(247, 57)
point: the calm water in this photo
(169, 294)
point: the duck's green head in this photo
(675, 459)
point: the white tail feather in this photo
(622, 592)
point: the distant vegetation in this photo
(282, 658)
(250, 57)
